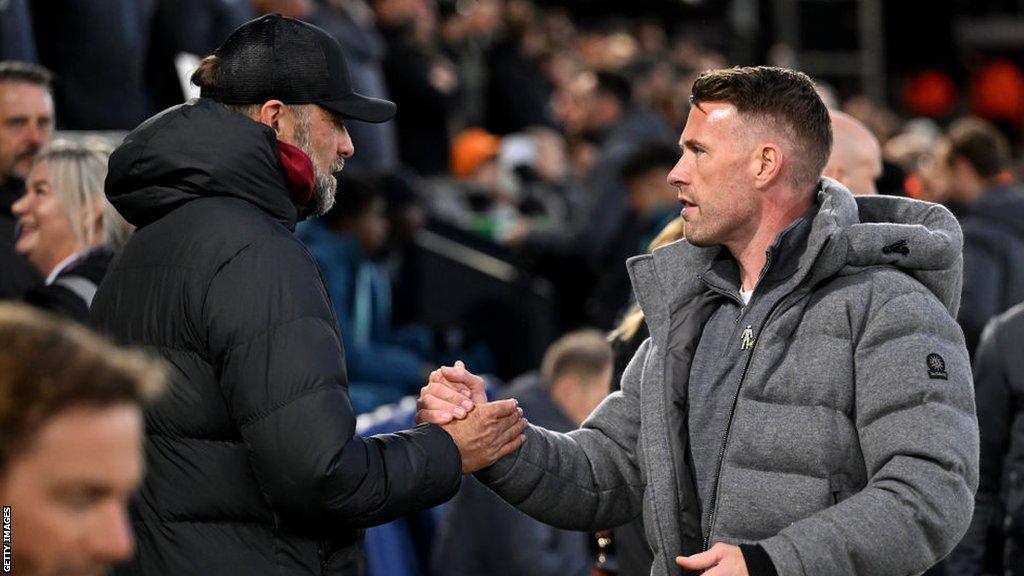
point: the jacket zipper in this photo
(725, 441)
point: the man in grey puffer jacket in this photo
(804, 405)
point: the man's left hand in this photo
(451, 394)
(720, 560)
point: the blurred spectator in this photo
(652, 205)
(999, 503)
(474, 155)
(480, 534)
(518, 94)
(513, 190)
(856, 160)
(69, 231)
(71, 430)
(190, 28)
(97, 49)
(468, 32)
(422, 81)
(600, 109)
(26, 127)
(347, 244)
(971, 175)
(17, 40)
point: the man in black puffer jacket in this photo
(253, 464)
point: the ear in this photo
(766, 165)
(271, 113)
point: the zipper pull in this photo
(747, 339)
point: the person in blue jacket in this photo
(383, 363)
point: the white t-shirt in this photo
(745, 296)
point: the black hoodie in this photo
(253, 463)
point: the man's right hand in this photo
(488, 433)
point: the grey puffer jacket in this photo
(853, 443)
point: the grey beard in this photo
(324, 188)
(324, 185)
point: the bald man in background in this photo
(856, 160)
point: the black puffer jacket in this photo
(253, 463)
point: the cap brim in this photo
(359, 107)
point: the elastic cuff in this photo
(443, 451)
(759, 563)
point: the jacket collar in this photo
(195, 150)
(781, 259)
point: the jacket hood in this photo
(920, 238)
(198, 149)
(847, 233)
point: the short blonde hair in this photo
(77, 172)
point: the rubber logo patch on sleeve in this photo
(936, 367)
(898, 247)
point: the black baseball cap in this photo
(278, 58)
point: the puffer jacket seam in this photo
(182, 437)
(213, 277)
(254, 418)
(271, 329)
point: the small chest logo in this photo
(936, 367)
(899, 247)
(747, 339)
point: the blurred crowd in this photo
(526, 140)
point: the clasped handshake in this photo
(484, 432)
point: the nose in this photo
(680, 173)
(22, 205)
(35, 135)
(346, 149)
(112, 541)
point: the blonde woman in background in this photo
(67, 229)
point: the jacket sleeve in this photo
(274, 342)
(588, 479)
(915, 417)
(995, 406)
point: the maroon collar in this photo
(298, 171)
